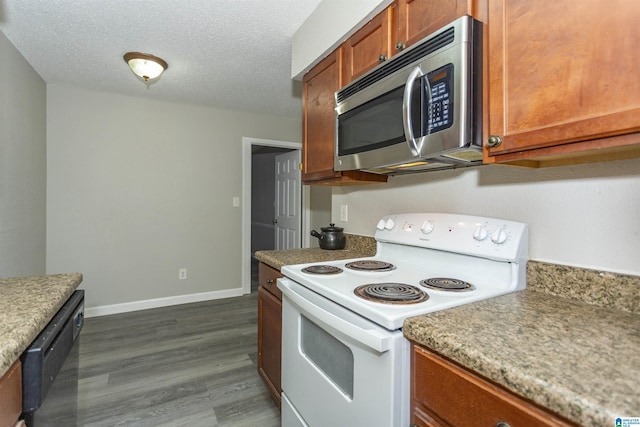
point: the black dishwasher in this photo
(50, 369)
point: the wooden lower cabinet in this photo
(11, 396)
(444, 394)
(269, 329)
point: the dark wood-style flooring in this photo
(189, 365)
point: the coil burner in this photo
(370, 265)
(322, 269)
(446, 284)
(391, 293)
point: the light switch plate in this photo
(344, 213)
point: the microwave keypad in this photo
(440, 113)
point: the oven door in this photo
(339, 369)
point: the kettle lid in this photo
(331, 227)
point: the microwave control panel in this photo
(440, 111)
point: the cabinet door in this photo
(561, 73)
(319, 87)
(419, 18)
(318, 135)
(269, 341)
(421, 419)
(369, 46)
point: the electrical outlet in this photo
(182, 274)
(344, 213)
(235, 202)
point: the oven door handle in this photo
(374, 337)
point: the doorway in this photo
(258, 202)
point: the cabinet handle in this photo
(382, 58)
(400, 46)
(269, 281)
(494, 141)
(502, 424)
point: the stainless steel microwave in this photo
(421, 110)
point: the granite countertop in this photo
(27, 304)
(577, 354)
(356, 247)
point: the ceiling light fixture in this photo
(147, 67)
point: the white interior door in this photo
(287, 219)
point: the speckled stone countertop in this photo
(27, 304)
(569, 342)
(356, 247)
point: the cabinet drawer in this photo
(462, 399)
(11, 395)
(267, 277)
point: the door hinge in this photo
(300, 165)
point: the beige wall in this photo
(137, 189)
(320, 204)
(22, 165)
(586, 215)
(332, 22)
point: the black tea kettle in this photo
(331, 238)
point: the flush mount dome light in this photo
(148, 67)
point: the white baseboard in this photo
(126, 307)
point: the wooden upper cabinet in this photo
(369, 46)
(318, 142)
(563, 81)
(318, 104)
(419, 18)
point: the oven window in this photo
(330, 355)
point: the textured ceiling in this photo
(227, 53)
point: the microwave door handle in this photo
(406, 110)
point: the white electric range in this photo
(342, 320)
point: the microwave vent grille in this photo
(411, 55)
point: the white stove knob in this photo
(389, 224)
(427, 227)
(380, 225)
(480, 233)
(499, 236)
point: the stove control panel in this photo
(472, 235)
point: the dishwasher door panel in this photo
(50, 369)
